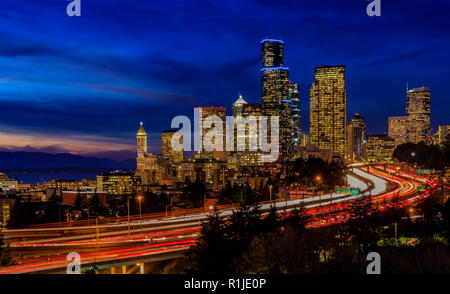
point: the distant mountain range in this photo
(21, 160)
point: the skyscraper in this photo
(167, 151)
(328, 109)
(397, 129)
(358, 136)
(418, 111)
(296, 119)
(221, 113)
(277, 93)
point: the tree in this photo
(53, 211)
(5, 257)
(212, 253)
(95, 207)
(193, 194)
(24, 214)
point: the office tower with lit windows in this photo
(277, 91)
(168, 152)
(328, 109)
(358, 137)
(295, 119)
(206, 112)
(418, 112)
(380, 148)
(248, 157)
(443, 134)
(397, 129)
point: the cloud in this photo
(400, 57)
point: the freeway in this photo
(155, 236)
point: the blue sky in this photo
(83, 84)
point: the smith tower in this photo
(279, 95)
(141, 137)
(328, 109)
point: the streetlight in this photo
(140, 210)
(128, 210)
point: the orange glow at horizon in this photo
(73, 144)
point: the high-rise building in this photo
(358, 136)
(237, 106)
(146, 163)
(397, 129)
(141, 137)
(418, 112)
(296, 119)
(444, 134)
(167, 151)
(328, 109)
(205, 113)
(279, 95)
(247, 157)
(379, 148)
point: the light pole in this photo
(128, 209)
(270, 192)
(140, 210)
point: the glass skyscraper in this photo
(418, 112)
(328, 109)
(280, 96)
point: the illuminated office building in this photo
(328, 109)
(238, 105)
(418, 112)
(397, 129)
(117, 182)
(247, 157)
(358, 136)
(279, 95)
(205, 113)
(444, 134)
(379, 148)
(146, 162)
(295, 120)
(7, 184)
(239, 139)
(168, 152)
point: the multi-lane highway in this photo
(44, 248)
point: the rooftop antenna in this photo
(407, 87)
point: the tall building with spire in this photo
(328, 109)
(418, 112)
(146, 163)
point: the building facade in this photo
(118, 182)
(328, 109)
(397, 129)
(380, 148)
(280, 96)
(171, 155)
(146, 163)
(418, 112)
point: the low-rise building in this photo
(379, 148)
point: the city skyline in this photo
(66, 98)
